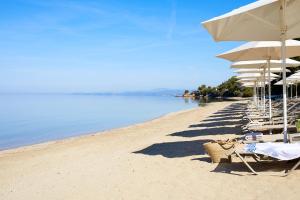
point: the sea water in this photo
(30, 119)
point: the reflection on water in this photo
(29, 119)
(201, 101)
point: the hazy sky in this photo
(110, 45)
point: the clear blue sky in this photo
(110, 45)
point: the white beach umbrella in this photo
(297, 74)
(255, 83)
(244, 73)
(288, 83)
(250, 75)
(262, 50)
(264, 20)
(258, 79)
(263, 63)
(252, 80)
(281, 82)
(259, 70)
(293, 79)
(248, 84)
(260, 66)
(267, 51)
(252, 84)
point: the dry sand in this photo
(160, 159)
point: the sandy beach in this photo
(159, 159)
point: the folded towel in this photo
(281, 151)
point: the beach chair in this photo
(272, 127)
(268, 152)
(276, 125)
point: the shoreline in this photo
(159, 159)
(90, 134)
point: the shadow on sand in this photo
(209, 131)
(175, 149)
(215, 124)
(222, 118)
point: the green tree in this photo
(229, 88)
(203, 90)
(247, 92)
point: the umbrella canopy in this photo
(250, 75)
(297, 74)
(281, 82)
(263, 50)
(259, 70)
(253, 79)
(264, 20)
(263, 63)
(252, 84)
(258, 21)
(294, 78)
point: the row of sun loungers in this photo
(269, 147)
(260, 121)
(260, 144)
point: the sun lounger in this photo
(262, 138)
(275, 151)
(271, 127)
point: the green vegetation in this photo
(229, 88)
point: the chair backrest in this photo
(295, 137)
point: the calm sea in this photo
(31, 119)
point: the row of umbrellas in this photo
(255, 70)
(269, 26)
(294, 79)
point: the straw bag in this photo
(219, 150)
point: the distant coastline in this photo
(154, 92)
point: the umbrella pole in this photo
(296, 90)
(261, 97)
(258, 97)
(269, 92)
(264, 91)
(256, 92)
(284, 91)
(255, 95)
(283, 56)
